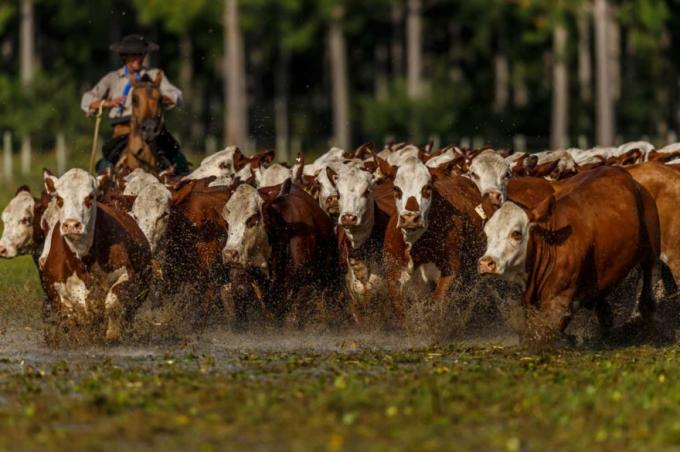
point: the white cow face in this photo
(413, 195)
(274, 175)
(17, 220)
(355, 203)
(150, 210)
(490, 172)
(247, 241)
(76, 193)
(507, 234)
(219, 164)
(137, 180)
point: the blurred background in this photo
(304, 74)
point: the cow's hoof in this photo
(112, 335)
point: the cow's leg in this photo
(545, 323)
(604, 315)
(118, 294)
(444, 283)
(647, 304)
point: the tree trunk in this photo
(236, 116)
(614, 46)
(502, 77)
(336, 40)
(415, 48)
(186, 78)
(560, 95)
(26, 63)
(281, 122)
(585, 70)
(605, 108)
(380, 82)
(397, 46)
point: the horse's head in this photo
(147, 107)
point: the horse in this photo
(146, 124)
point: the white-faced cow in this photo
(574, 247)
(98, 264)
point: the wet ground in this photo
(293, 390)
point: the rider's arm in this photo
(170, 92)
(91, 99)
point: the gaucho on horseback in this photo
(136, 97)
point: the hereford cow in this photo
(490, 172)
(283, 247)
(362, 221)
(434, 228)
(98, 265)
(574, 247)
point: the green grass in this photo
(424, 399)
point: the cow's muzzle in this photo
(495, 198)
(348, 220)
(72, 228)
(7, 251)
(487, 265)
(411, 221)
(229, 255)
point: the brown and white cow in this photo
(98, 265)
(574, 247)
(490, 172)
(282, 245)
(362, 220)
(432, 232)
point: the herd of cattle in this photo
(357, 231)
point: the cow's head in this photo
(151, 210)
(226, 162)
(137, 180)
(507, 236)
(247, 241)
(413, 196)
(490, 172)
(76, 194)
(355, 203)
(17, 220)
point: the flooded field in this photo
(292, 390)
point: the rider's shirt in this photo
(114, 84)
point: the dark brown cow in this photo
(574, 247)
(283, 246)
(98, 265)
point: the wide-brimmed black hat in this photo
(134, 44)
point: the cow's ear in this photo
(300, 162)
(240, 160)
(364, 151)
(104, 179)
(25, 188)
(530, 162)
(543, 210)
(50, 182)
(332, 175)
(370, 166)
(159, 78)
(285, 188)
(182, 191)
(385, 168)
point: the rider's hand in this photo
(120, 100)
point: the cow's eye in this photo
(397, 192)
(516, 236)
(253, 220)
(26, 220)
(474, 175)
(60, 201)
(427, 191)
(88, 200)
(225, 165)
(366, 193)
(508, 174)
